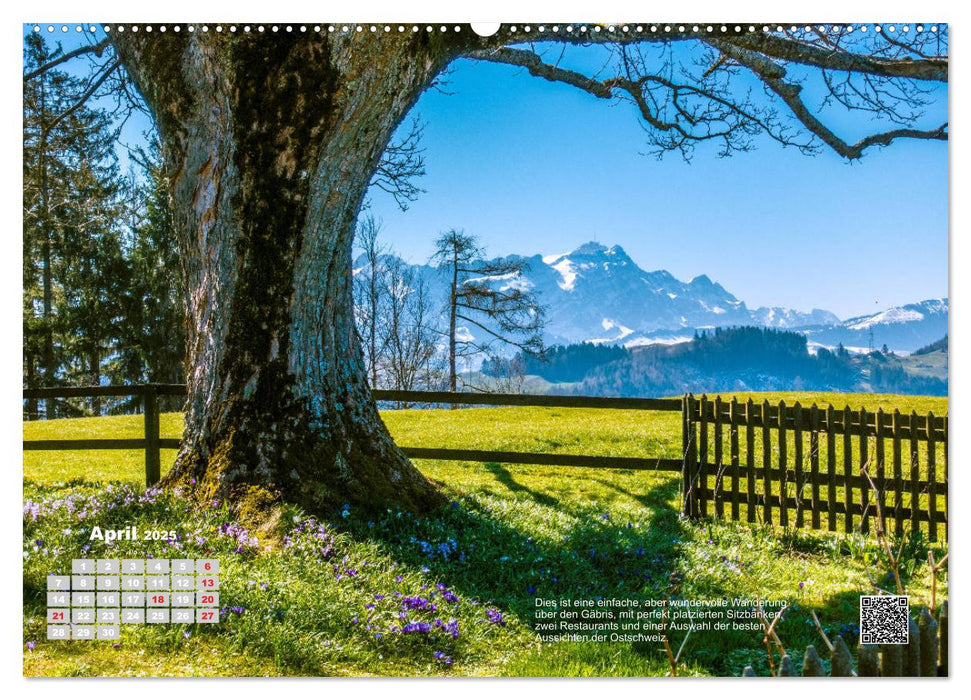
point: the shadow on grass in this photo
(510, 552)
(505, 477)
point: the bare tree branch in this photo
(401, 164)
(797, 51)
(96, 49)
(773, 75)
(681, 105)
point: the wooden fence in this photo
(152, 443)
(814, 467)
(925, 654)
(753, 461)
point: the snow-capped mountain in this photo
(781, 317)
(599, 294)
(900, 328)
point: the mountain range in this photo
(598, 294)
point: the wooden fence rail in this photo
(812, 467)
(152, 443)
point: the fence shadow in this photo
(505, 477)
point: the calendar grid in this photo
(100, 595)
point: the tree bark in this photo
(270, 143)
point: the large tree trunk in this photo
(270, 142)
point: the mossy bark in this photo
(270, 142)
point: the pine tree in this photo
(152, 346)
(74, 268)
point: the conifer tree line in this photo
(101, 297)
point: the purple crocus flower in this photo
(495, 617)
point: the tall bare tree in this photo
(507, 314)
(271, 140)
(411, 339)
(370, 296)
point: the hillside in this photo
(733, 359)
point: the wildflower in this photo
(495, 617)
(30, 646)
(116, 646)
(346, 511)
(186, 634)
(440, 656)
(419, 627)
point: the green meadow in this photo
(452, 593)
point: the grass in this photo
(511, 534)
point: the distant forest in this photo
(733, 359)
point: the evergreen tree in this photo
(74, 270)
(152, 348)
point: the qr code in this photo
(884, 619)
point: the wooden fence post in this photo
(914, 473)
(942, 637)
(797, 462)
(766, 465)
(702, 473)
(928, 643)
(840, 660)
(153, 460)
(912, 651)
(891, 660)
(847, 470)
(864, 482)
(931, 480)
(869, 661)
(783, 467)
(686, 448)
(750, 500)
(733, 447)
(812, 665)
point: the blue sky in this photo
(536, 167)
(532, 166)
